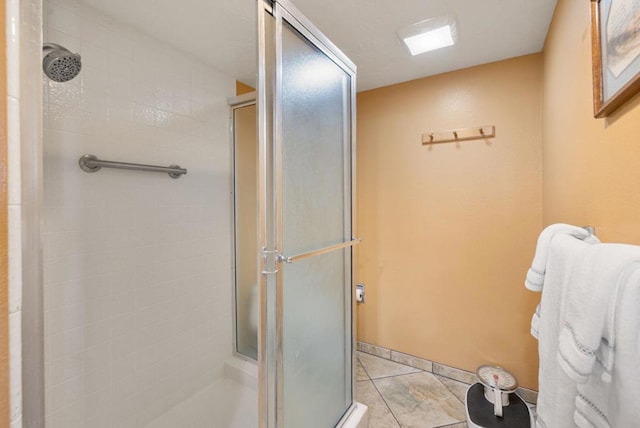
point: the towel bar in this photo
(90, 163)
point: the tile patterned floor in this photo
(401, 396)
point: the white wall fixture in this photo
(430, 34)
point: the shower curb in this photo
(464, 376)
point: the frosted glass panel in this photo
(315, 156)
(317, 386)
(315, 214)
(246, 229)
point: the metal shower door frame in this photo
(271, 15)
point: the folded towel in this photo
(604, 404)
(591, 300)
(557, 392)
(535, 322)
(536, 274)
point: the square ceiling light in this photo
(430, 34)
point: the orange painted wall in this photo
(241, 88)
(591, 167)
(4, 275)
(449, 230)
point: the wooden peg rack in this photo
(462, 134)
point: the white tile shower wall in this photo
(137, 265)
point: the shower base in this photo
(232, 402)
(229, 402)
(225, 403)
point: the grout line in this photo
(449, 389)
(397, 375)
(450, 378)
(386, 404)
(380, 394)
(362, 365)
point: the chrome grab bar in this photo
(284, 259)
(90, 163)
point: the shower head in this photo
(59, 64)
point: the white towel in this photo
(591, 300)
(535, 322)
(557, 392)
(603, 404)
(536, 274)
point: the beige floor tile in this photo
(459, 389)
(379, 414)
(377, 367)
(419, 400)
(360, 373)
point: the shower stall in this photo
(190, 277)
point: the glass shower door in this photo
(307, 265)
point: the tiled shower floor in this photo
(402, 396)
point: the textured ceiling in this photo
(222, 32)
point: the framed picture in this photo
(615, 44)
